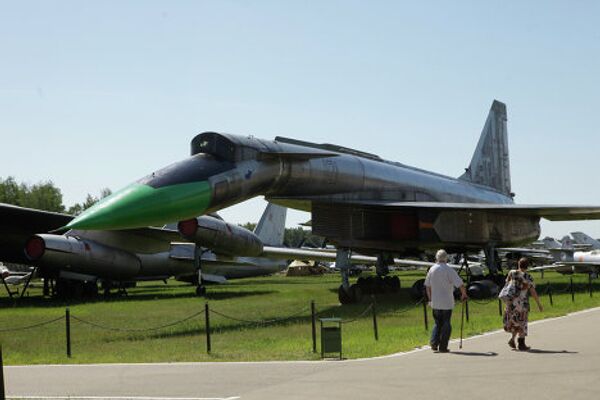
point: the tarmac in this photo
(564, 363)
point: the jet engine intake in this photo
(220, 236)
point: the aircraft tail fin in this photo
(271, 227)
(567, 243)
(551, 243)
(490, 163)
(582, 238)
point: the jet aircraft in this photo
(358, 201)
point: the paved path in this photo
(564, 365)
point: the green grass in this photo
(152, 304)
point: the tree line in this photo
(43, 195)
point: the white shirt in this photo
(442, 280)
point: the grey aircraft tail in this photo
(582, 238)
(563, 251)
(490, 163)
(271, 227)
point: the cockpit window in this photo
(194, 169)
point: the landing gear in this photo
(72, 289)
(379, 284)
(347, 294)
(200, 290)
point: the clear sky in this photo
(98, 94)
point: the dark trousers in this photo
(440, 335)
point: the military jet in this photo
(358, 201)
(581, 239)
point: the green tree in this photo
(90, 200)
(43, 195)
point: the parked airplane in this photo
(582, 239)
(358, 201)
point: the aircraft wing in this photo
(570, 268)
(17, 224)
(550, 212)
(21, 218)
(329, 256)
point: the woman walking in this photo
(517, 308)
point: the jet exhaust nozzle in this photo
(81, 256)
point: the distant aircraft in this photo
(581, 238)
(358, 201)
(13, 278)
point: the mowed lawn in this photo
(284, 299)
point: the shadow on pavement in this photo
(475, 353)
(540, 351)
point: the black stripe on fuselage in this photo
(197, 168)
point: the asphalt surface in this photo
(564, 363)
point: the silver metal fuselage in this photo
(300, 177)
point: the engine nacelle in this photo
(220, 236)
(81, 256)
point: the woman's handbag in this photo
(508, 292)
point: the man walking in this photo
(440, 283)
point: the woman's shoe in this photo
(522, 345)
(511, 343)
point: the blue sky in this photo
(98, 94)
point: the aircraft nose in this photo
(140, 205)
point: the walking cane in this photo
(462, 323)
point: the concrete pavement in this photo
(565, 363)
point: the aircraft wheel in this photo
(356, 293)
(200, 291)
(393, 283)
(380, 285)
(344, 296)
(417, 291)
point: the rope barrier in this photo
(260, 322)
(156, 328)
(22, 328)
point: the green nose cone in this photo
(138, 206)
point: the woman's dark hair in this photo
(523, 262)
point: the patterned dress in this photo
(517, 310)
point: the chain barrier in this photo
(483, 302)
(22, 328)
(156, 328)
(405, 309)
(362, 314)
(263, 321)
(565, 290)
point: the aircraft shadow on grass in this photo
(39, 301)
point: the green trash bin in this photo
(331, 336)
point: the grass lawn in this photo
(401, 325)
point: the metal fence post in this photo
(425, 315)
(375, 330)
(550, 294)
(207, 327)
(590, 285)
(572, 291)
(2, 391)
(467, 309)
(500, 307)
(68, 330)
(313, 320)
